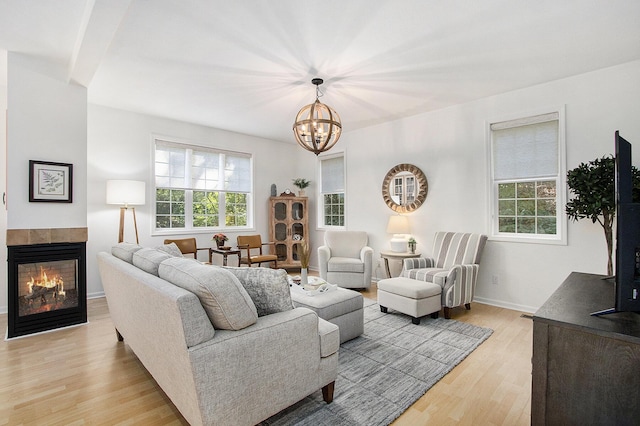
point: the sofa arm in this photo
(417, 263)
(324, 254)
(269, 365)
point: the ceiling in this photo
(247, 65)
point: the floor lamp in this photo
(126, 193)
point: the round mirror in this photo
(404, 188)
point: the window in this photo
(201, 188)
(332, 191)
(528, 179)
(404, 186)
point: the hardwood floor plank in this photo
(83, 375)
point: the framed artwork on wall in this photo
(50, 182)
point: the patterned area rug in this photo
(388, 368)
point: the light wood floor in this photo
(82, 375)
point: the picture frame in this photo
(50, 182)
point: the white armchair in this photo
(345, 259)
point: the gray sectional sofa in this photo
(219, 356)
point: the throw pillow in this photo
(269, 288)
(223, 298)
(171, 249)
(149, 259)
(124, 251)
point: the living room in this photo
(595, 83)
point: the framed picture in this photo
(50, 182)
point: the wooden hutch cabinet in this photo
(288, 224)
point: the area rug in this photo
(388, 368)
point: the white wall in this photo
(47, 120)
(3, 189)
(120, 145)
(449, 146)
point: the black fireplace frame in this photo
(44, 321)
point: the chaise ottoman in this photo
(412, 297)
(340, 306)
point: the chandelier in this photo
(317, 127)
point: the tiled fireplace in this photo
(46, 280)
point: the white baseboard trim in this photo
(95, 295)
(506, 305)
(4, 310)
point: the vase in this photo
(302, 193)
(304, 279)
(220, 244)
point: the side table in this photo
(224, 253)
(386, 255)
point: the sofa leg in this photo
(327, 392)
(447, 313)
(435, 314)
(119, 336)
(468, 306)
(383, 309)
(415, 320)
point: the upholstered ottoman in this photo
(341, 307)
(409, 296)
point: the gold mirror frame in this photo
(423, 188)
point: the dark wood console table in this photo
(586, 369)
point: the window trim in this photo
(561, 185)
(320, 226)
(184, 143)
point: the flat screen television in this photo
(627, 265)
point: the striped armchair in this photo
(454, 267)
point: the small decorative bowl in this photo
(225, 248)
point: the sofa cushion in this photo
(171, 249)
(223, 298)
(268, 288)
(149, 259)
(124, 251)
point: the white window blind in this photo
(332, 172)
(526, 148)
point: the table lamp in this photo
(398, 226)
(126, 193)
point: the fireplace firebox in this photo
(47, 287)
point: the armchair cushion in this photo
(268, 288)
(345, 264)
(224, 299)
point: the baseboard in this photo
(95, 295)
(506, 305)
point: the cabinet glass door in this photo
(297, 211)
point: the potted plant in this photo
(412, 245)
(593, 185)
(301, 183)
(220, 239)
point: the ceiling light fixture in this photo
(317, 127)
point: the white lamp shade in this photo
(126, 192)
(398, 225)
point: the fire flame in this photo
(44, 281)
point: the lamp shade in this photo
(126, 192)
(398, 225)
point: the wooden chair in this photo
(253, 245)
(187, 246)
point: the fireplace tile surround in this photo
(57, 301)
